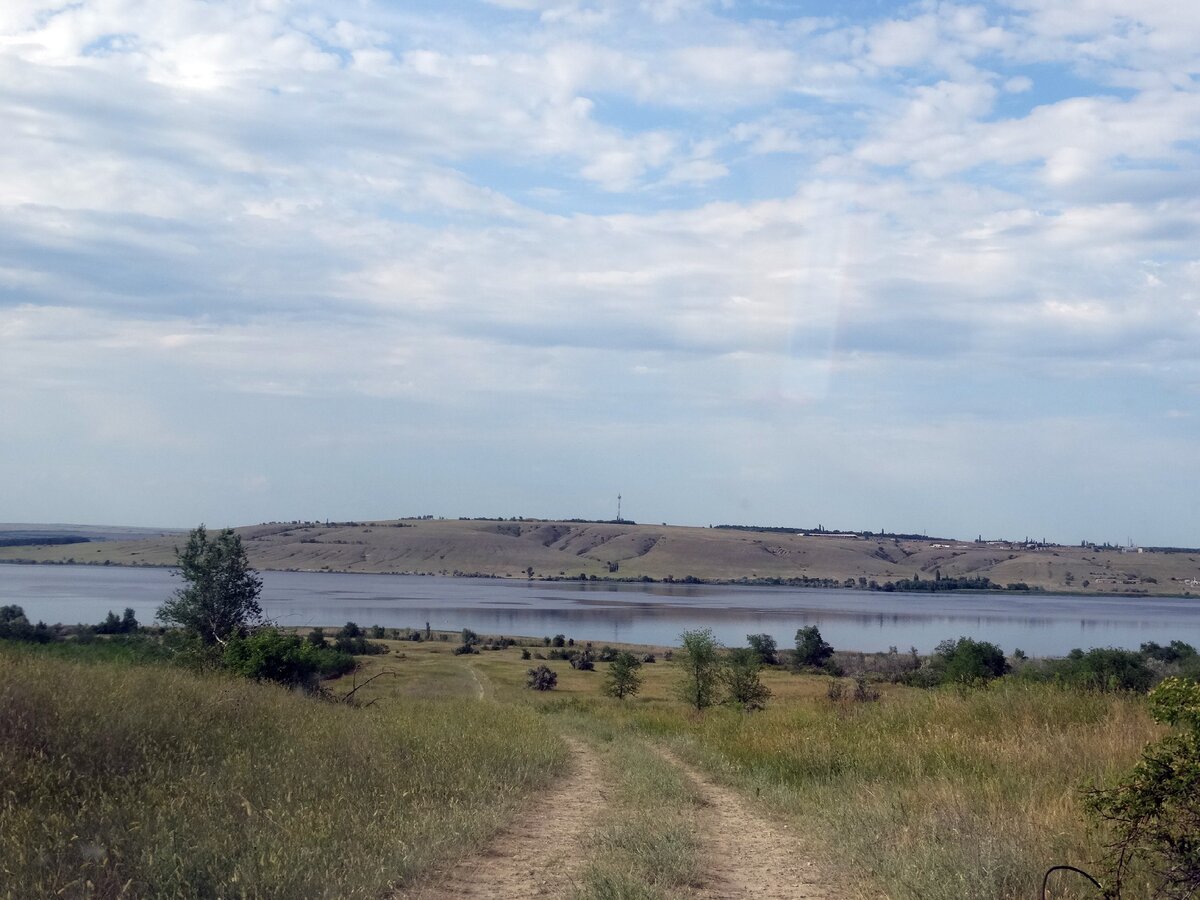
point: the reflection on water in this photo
(1045, 624)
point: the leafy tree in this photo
(623, 679)
(811, 649)
(764, 646)
(126, 624)
(1108, 669)
(700, 665)
(220, 598)
(14, 626)
(560, 640)
(1155, 810)
(741, 677)
(967, 660)
(316, 637)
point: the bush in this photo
(1155, 810)
(15, 627)
(543, 678)
(525, 654)
(967, 660)
(127, 624)
(268, 655)
(560, 640)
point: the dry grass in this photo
(151, 781)
(554, 549)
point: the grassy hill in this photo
(553, 549)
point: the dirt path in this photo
(540, 853)
(747, 854)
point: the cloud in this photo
(365, 223)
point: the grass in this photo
(153, 781)
(930, 794)
(947, 793)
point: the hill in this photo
(558, 549)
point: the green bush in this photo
(268, 655)
(811, 649)
(1155, 810)
(967, 660)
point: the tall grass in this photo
(152, 781)
(935, 794)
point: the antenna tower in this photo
(618, 507)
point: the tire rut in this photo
(540, 853)
(747, 854)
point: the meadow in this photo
(124, 779)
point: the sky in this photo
(922, 268)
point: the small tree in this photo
(741, 677)
(220, 597)
(811, 649)
(764, 646)
(543, 678)
(700, 665)
(623, 679)
(1155, 810)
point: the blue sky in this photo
(925, 266)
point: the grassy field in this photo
(154, 781)
(950, 793)
(148, 781)
(600, 550)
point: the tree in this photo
(1155, 810)
(741, 677)
(220, 598)
(811, 649)
(764, 646)
(623, 679)
(700, 665)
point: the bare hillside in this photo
(514, 549)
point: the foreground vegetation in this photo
(124, 780)
(121, 775)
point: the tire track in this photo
(747, 854)
(539, 854)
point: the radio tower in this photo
(618, 507)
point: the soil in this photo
(746, 854)
(538, 855)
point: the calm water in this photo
(1042, 624)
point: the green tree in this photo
(811, 648)
(700, 665)
(1155, 810)
(741, 677)
(220, 597)
(764, 646)
(623, 679)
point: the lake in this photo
(1040, 624)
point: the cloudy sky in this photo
(929, 267)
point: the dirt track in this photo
(539, 854)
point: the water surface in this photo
(1041, 624)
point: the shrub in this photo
(1155, 810)
(268, 655)
(543, 678)
(864, 691)
(525, 654)
(15, 627)
(967, 660)
(316, 637)
(126, 624)
(560, 640)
